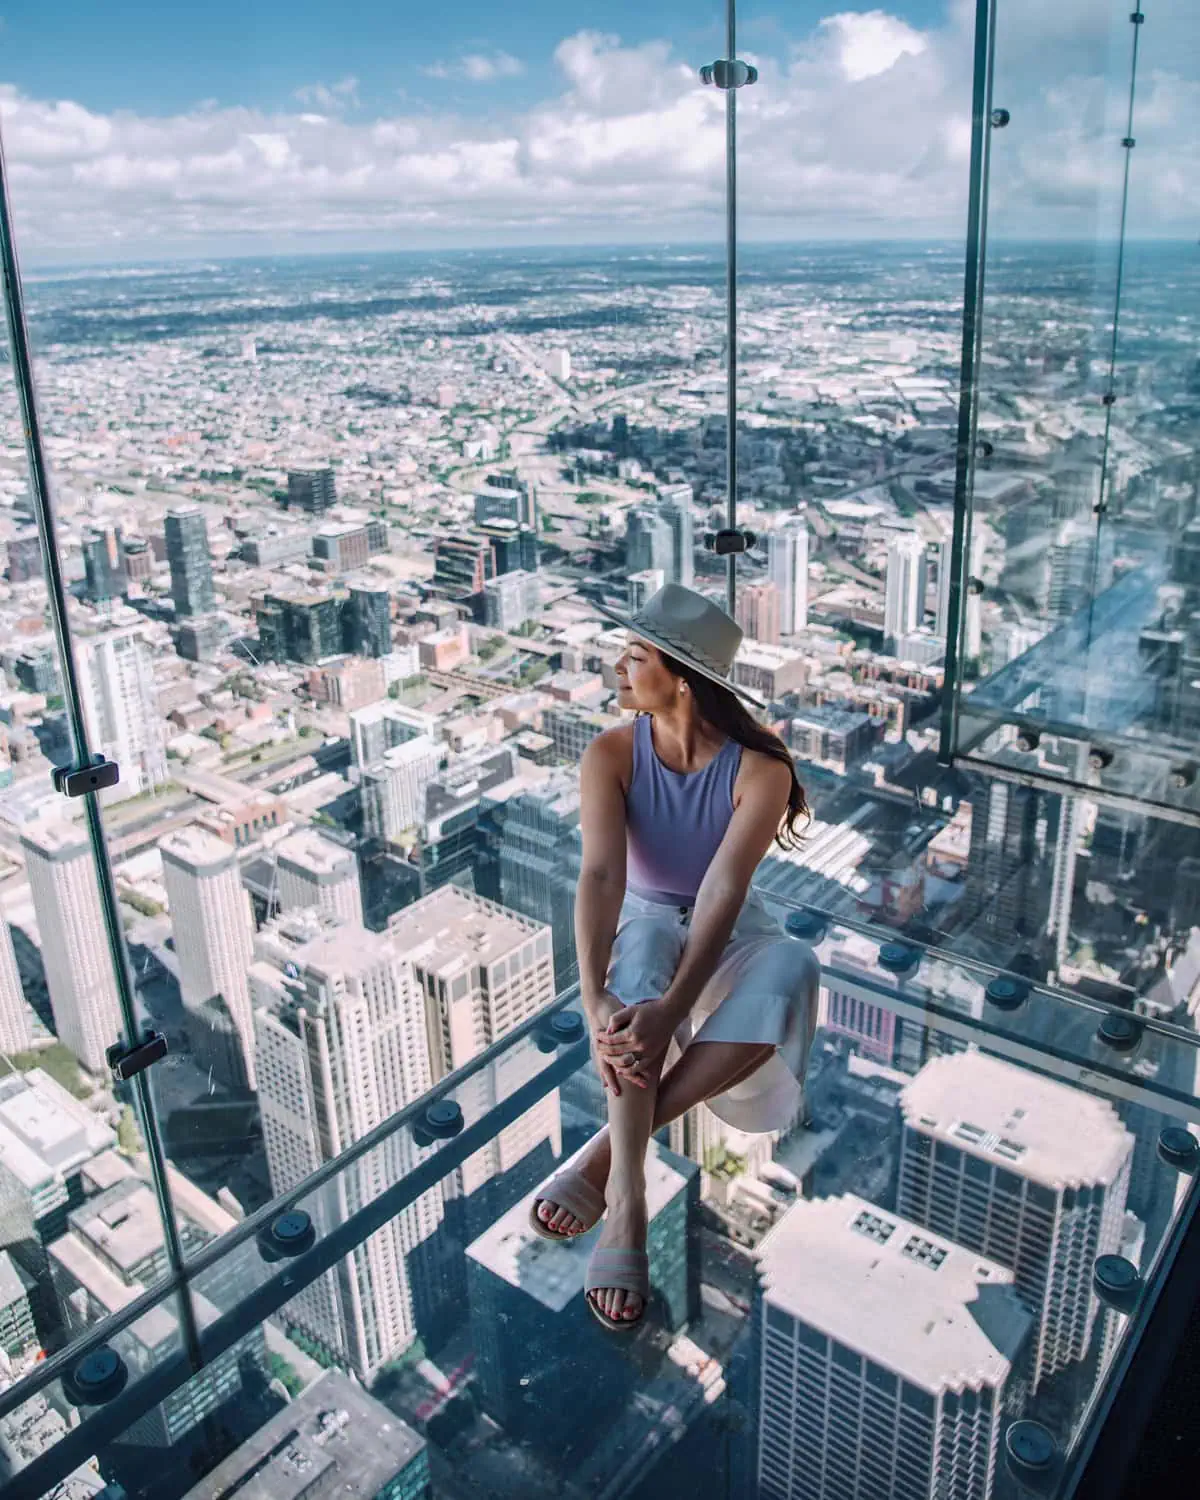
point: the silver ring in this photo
(630, 1059)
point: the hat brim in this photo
(677, 653)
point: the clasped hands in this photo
(630, 1041)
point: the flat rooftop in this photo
(44, 1131)
(309, 851)
(554, 1274)
(451, 930)
(1015, 1118)
(930, 1311)
(333, 1440)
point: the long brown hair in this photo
(725, 711)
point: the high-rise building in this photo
(24, 557)
(523, 1298)
(299, 627)
(972, 622)
(314, 872)
(213, 927)
(333, 1439)
(191, 562)
(508, 601)
(367, 622)
(16, 1015)
(643, 586)
(452, 845)
(1081, 566)
(505, 497)
(461, 567)
(558, 362)
(483, 970)
(384, 725)
(103, 563)
(342, 1045)
(1030, 1171)
(338, 549)
(758, 611)
(112, 1251)
(676, 510)
(393, 788)
(535, 844)
(78, 964)
(200, 639)
(787, 568)
(904, 604)
(312, 490)
(649, 543)
(116, 681)
(886, 1360)
(1014, 865)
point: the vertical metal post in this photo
(731, 343)
(39, 489)
(968, 394)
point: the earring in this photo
(682, 688)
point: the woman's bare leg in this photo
(705, 1070)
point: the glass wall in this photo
(360, 374)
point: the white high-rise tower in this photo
(316, 872)
(787, 568)
(116, 683)
(1025, 1169)
(341, 1046)
(213, 927)
(904, 604)
(883, 1356)
(16, 1016)
(80, 972)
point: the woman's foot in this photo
(592, 1165)
(624, 1229)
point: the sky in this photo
(140, 131)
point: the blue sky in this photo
(163, 56)
(137, 130)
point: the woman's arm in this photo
(755, 822)
(601, 886)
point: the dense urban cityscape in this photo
(335, 530)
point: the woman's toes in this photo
(633, 1306)
(618, 1304)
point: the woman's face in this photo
(643, 683)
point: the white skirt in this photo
(764, 989)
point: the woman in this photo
(677, 810)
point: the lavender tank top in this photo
(675, 820)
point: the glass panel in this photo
(752, 1367)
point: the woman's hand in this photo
(635, 1037)
(599, 1008)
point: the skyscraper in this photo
(103, 563)
(904, 604)
(367, 622)
(191, 562)
(649, 543)
(299, 627)
(883, 1358)
(393, 788)
(16, 1016)
(1030, 1171)
(676, 510)
(758, 611)
(116, 680)
(537, 852)
(342, 1045)
(312, 490)
(787, 568)
(213, 927)
(642, 586)
(314, 872)
(1022, 851)
(79, 967)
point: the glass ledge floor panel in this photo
(422, 1291)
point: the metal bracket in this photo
(77, 781)
(729, 73)
(729, 540)
(126, 1062)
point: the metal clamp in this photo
(728, 540)
(126, 1062)
(729, 73)
(77, 781)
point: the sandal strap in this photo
(624, 1270)
(571, 1190)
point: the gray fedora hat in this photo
(690, 628)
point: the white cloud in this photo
(870, 42)
(478, 67)
(862, 127)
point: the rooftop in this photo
(553, 1274)
(334, 1440)
(308, 851)
(932, 1312)
(44, 1131)
(197, 850)
(452, 929)
(1011, 1116)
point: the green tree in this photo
(129, 1137)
